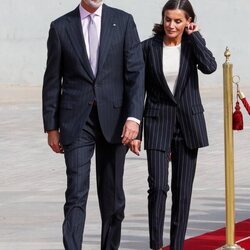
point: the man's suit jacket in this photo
(162, 108)
(70, 87)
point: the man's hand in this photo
(54, 141)
(135, 146)
(129, 132)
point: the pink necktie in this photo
(93, 44)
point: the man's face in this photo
(95, 4)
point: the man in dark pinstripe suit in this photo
(174, 123)
(93, 98)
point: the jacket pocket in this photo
(197, 109)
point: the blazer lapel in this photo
(158, 66)
(184, 68)
(106, 34)
(75, 34)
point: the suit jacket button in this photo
(92, 103)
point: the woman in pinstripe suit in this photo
(174, 123)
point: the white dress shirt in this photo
(97, 16)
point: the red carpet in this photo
(216, 239)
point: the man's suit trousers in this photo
(109, 170)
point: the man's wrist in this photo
(134, 119)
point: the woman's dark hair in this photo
(184, 5)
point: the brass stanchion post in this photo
(229, 155)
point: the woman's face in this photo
(174, 23)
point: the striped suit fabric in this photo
(174, 127)
(90, 112)
(70, 86)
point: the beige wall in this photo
(24, 29)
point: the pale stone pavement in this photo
(32, 179)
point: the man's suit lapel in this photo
(75, 34)
(106, 35)
(157, 64)
(184, 68)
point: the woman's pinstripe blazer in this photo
(162, 108)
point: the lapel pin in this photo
(114, 24)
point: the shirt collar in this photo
(84, 13)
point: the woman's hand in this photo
(135, 146)
(192, 27)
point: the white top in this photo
(171, 64)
